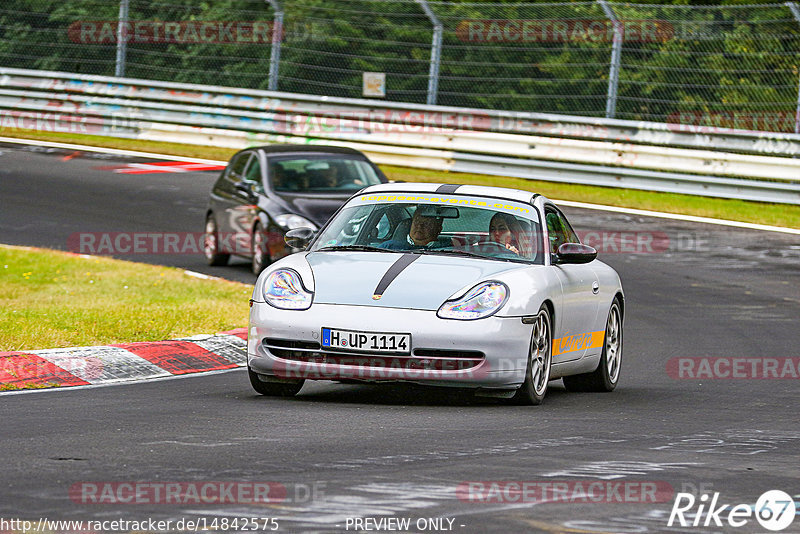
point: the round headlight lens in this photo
(481, 301)
(284, 289)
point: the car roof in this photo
(517, 195)
(319, 149)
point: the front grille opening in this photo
(423, 359)
(449, 354)
(271, 342)
(383, 362)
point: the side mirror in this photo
(246, 188)
(575, 253)
(299, 237)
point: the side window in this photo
(572, 237)
(559, 230)
(253, 174)
(236, 169)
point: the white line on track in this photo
(203, 276)
(103, 150)
(679, 217)
(599, 207)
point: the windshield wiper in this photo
(454, 252)
(359, 248)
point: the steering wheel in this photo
(498, 248)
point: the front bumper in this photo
(485, 353)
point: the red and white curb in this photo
(162, 167)
(126, 362)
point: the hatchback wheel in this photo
(211, 245)
(260, 254)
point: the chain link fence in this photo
(721, 66)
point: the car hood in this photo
(316, 208)
(352, 277)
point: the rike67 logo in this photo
(774, 510)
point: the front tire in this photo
(211, 244)
(606, 376)
(537, 375)
(274, 389)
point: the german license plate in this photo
(355, 340)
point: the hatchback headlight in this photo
(481, 301)
(290, 221)
(284, 289)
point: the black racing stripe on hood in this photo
(448, 188)
(397, 267)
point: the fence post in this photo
(616, 53)
(796, 12)
(275, 48)
(122, 38)
(436, 52)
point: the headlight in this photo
(284, 289)
(290, 221)
(481, 301)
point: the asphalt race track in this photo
(338, 452)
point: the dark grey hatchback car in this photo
(266, 191)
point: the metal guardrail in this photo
(605, 152)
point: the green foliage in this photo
(714, 61)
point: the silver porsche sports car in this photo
(463, 286)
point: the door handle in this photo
(595, 288)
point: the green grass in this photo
(735, 210)
(28, 385)
(57, 299)
(175, 149)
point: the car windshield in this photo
(452, 225)
(321, 174)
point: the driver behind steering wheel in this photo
(423, 233)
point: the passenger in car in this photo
(279, 181)
(507, 231)
(287, 180)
